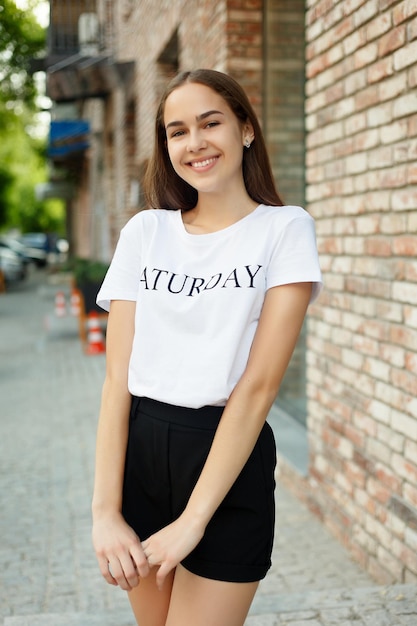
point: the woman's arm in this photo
(114, 541)
(242, 420)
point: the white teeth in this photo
(202, 163)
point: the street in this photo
(50, 393)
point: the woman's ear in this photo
(248, 133)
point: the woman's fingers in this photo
(170, 545)
(119, 552)
(105, 570)
(139, 559)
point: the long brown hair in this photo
(164, 189)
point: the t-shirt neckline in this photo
(217, 233)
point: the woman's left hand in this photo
(170, 545)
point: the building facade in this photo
(334, 85)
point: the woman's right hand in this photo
(119, 551)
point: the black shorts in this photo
(166, 451)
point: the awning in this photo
(67, 137)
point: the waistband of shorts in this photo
(203, 417)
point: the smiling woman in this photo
(207, 293)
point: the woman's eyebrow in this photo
(198, 118)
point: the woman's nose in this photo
(195, 141)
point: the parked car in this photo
(11, 264)
(36, 246)
(17, 247)
(44, 248)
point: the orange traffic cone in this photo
(95, 339)
(60, 309)
(75, 303)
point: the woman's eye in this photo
(177, 133)
(211, 124)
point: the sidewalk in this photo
(50, 393)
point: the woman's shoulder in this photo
(287, 211)
(283, 215)
(148, 219)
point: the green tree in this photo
(21, 39)
(22, 155)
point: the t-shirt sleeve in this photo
(295, 256)
(122, 279)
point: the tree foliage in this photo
(22, 156)
(21, 39)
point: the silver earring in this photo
(247, 143)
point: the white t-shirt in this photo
(199, 297)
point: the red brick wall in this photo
(362, 364)
(224, 35)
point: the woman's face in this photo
(205, 140)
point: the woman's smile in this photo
(203, 164)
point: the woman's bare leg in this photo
(150, 606)
(200, 601)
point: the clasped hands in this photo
(124, 559)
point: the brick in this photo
(394, 132)
(377, 369)
(410, 450)
(354, 41)
(412, 174)
(404, 337)
(380, 70)
(412, 30)
(404, 200)
(405, 56)
(411, 366)
(366, 12)
(349, 6)
(405, 381)
(365, 56)
(393, 87)
(378, 451)
(381, 157)
(410, 494)
(392, 41)
(363, 499)
(379, 572)
(393, 565)
(378, 246)
(379, 493)
(388, 395)
(366, 140)
(406, 246)
(405, 105)
(388, 478)
(393, 440)
(393, 224)
(411, 271)
(395, 525)
(404, 11)
(404, 469)
(405, 555)
(380, 25)
(355, 82)
(381, 114)
(393, 355)
(356, 163)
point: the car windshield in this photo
(36, 240)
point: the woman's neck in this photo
(213, 212)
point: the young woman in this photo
(207, 293)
